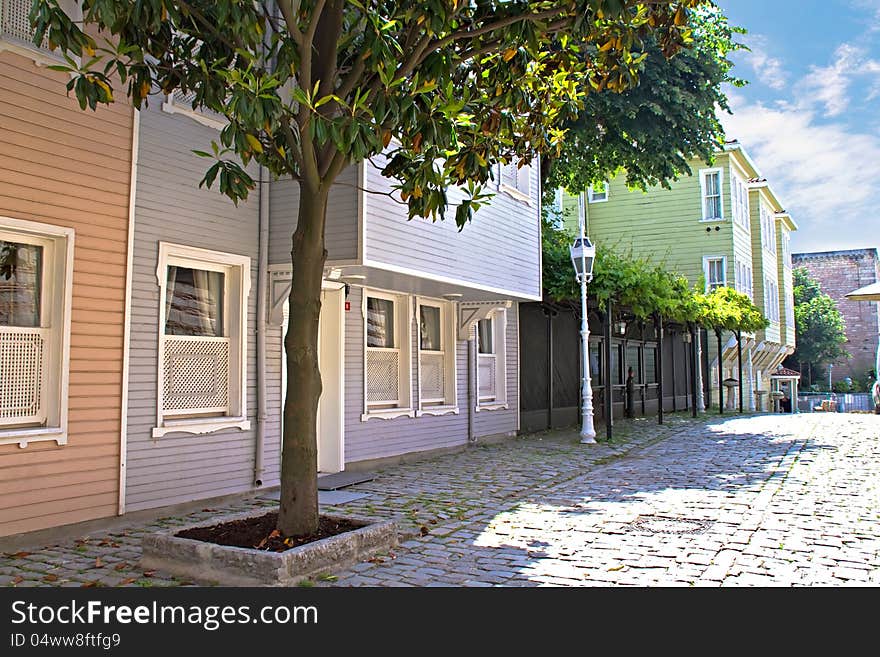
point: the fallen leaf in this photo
(50, 578)
(424, 531)
(121, 566)
(149, 573)
(127, 581)
(18, 579)
(20, 555)
(273, 534)
(89, 585)
(620, 567)
(432, 521)
(98, 563)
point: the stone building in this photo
(838, 273)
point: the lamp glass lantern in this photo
(621, 326)
(583, 255)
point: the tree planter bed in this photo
(206, 562)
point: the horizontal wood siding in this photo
(63, 166)
(764, 263)
(170, 207)
(665, 224)
(507, 228)
(379, 438)
(342, 218)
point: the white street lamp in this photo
(583, 254)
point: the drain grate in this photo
(668, 525)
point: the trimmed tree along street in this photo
(752, 500)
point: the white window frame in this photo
(704, 173)
(237, 270)
(498, 317)
(40, 55)
(403, 321)
(768, 229)
(706, 261)
(739, 198)
(57, 299)
(523, 180)
(786, 249)
(449, 402)
(592, 197)
(173, 105)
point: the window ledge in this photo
(515, 193)
(491, 406)
(201, 425)
(715, 220)
(32, 435)
(388, 414)
(40, 56)
(438, 410)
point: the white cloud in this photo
(826, 173)
(768, 70)
(829, 86)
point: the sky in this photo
(810, 115)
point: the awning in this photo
(868, 293)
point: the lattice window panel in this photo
(383, 376)
(22, 376)
(196, 375)
(486, 376)
(433, 377)
(15, 24)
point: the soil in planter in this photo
(260, 533)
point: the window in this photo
(786, 250)
(202, 340)
(739, 200)
(615, 375)
(598, 193)
(744, 278)
(388, 353)
(596, 363)
(711, 187)
(515, 177)
(650, 364)
(16, 33)
(36, 271)
(179, 102)
(771, 299)
(491, 366)
(768, 229)
(714, 270)
(436, 357)
(633, 360)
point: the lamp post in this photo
(583, 253)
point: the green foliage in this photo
(323, 84)
(821, 330)
(644, 289)
(653, 129)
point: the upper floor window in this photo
(436, 356)
(17, 34)
(743, 272)
(714, 270)
(388, 353)
(786, 250)
(711, 181)
(598, 193)
(771, 299)
(491, 360)
(202, 340)
(739, 200)
(36, 271)
(768, 229)
(179, 102)
(515, 177)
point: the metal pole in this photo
(549, 370)
(695, 368)
(609, 377)
(588, 431)
(739, 363)
(659, 323)
(720, 375)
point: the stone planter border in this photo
(208, 563)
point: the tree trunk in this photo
(298, 514)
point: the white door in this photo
(331, 349)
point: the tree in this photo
(312, 86)
(653, 129)
(820, 328)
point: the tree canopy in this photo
(821, 330)
(653, 129)
(643, 287)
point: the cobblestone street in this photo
(744, 500)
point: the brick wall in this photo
(838, 273)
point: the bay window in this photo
(202, 340)
(36, 272)
(387, 355)
(437, 391)
(491, 365)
